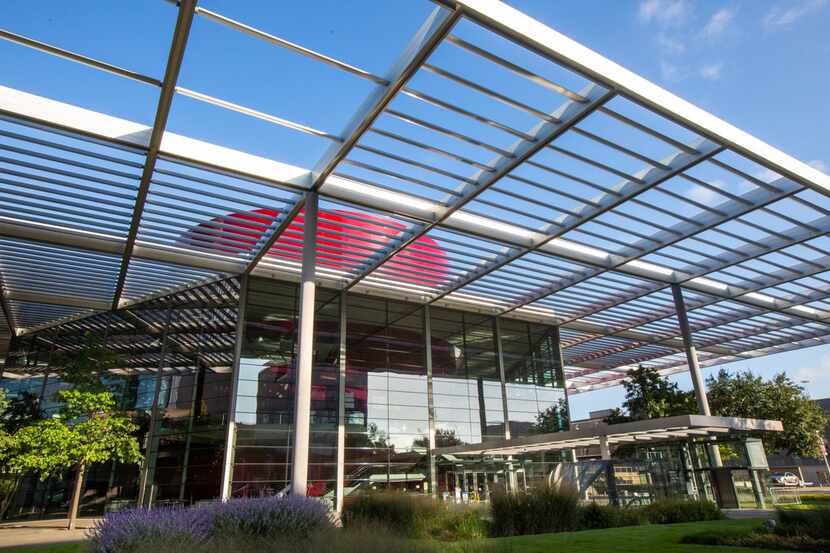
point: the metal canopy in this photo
(497, 166)
(647, 431)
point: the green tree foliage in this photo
(87, 369)
(10, 480)
(84, 432)
(443, 438)
(553, 419)
(649, 396)
(747, 395)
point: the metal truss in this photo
(435, 192)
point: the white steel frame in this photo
(172, 212)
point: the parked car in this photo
(784, 479)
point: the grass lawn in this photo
(650, 539)
(57, 548)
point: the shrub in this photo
(813, 523)
(197, 528)
(413, 516)
(594, 516)
(141, 529)
(402, 514)
(668, 511)
(757, 539)
(290, 516)
(542, 510)
(465, 524)
(816, 498)
(631, 517)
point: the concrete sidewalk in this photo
(43, 532)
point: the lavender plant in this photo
(137, 529)
(289, 517)
(197, 528)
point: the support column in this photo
(560, 359)
(230, 433)
(502, 377)
(757, 489)
(512, 482)
(151, 451)
(691, 353)
(305, 350)
(433, 469)
(604, 449)
(694, 366)
(341, 408)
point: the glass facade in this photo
(387, 375)
(175, 352)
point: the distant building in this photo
(809, 469)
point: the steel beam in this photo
(4, 304)
(571, 113)
(691, 354)
(730, 209)
(624, 191)
(49, 234)
(56, 299)
(539, 38)
(168, 89)
(437, 26)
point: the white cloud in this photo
(671, 72)
(711, 71)
(664, 12)
(812, 375)
(670, 46)
(719, 22)
(705, 196)
(780, 17)
(818, 164)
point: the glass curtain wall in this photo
(181, 344)
(385, 403)
(386, 411)
(265, 392)
(466, 379)
(177, 352)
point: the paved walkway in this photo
(749, 513)
(35, 532)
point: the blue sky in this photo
(763, 66)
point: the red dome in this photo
(346, 241)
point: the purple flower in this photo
(282, 517)
(122, 531)
(291, 516)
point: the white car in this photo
(784, 479)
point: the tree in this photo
(444, 437)
(553, 419)
(648, 395)
(87, 368)
(749, 396)
(11, 480)
(84, 432)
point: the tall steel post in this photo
(230, 431)
(694, 365)
(560, 360)
(691, 353)
(305, 350)
(341, 408)
(151, 451)
(512, 482)
(433, 471)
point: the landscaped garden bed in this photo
(542, 520)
